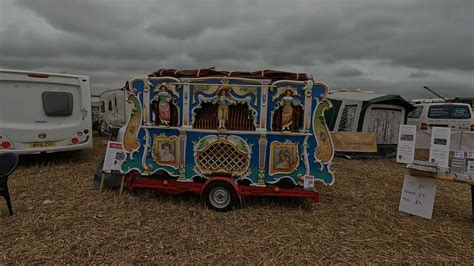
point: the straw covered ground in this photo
(60, 218)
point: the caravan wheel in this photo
(220, 196)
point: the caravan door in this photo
(385, 120)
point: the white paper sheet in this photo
(114, 157)
(406, 144)
(418, 196)
(439, 148)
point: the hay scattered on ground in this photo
(60, 218)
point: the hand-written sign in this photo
(355, 141)
(418, 195)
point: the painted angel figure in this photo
(223, 101)
(164, 98)
(288, 103)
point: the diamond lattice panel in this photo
(222, 157)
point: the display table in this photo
(467, 182)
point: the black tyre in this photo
(220, 196)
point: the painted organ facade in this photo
(259, 131)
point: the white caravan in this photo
(44, 112)
(113, 111)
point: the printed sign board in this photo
(470, 167)
(355, 141)
(439, 148)
(406, 144)
(418, 196)
(470, 155)
(308, 182)
(114, 157)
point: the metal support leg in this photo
(472, 202)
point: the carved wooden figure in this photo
(288, 114)
(164, 109)
(223, 101)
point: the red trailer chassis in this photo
(175, 188)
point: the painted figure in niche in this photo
(166, 154)
(288, 102)
(284, 163)
(288, 113)
(164, 99)
(165, 111)
(223, 101)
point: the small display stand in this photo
(114, 157)
(466, 182)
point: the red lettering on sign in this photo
(115, 145)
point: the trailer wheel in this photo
(220, 196)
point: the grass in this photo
(60, 218)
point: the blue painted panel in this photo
(144, 161)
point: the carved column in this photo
(146, 101)
(262, 153)
(182, 157)
(263, 107)
(186, 95)
(308, 104)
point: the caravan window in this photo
(102, 106)
(348, 117)
(110, 105)
(115, 101)
(449, 111)
(57, 103)
(416, 113)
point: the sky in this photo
(394, 47)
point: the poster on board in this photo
(418, 196)
(114, 157)
(406, 144)
(458, 163)
(308, 182)
(470, 162)
(470, 167)
(439, 148)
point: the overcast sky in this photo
(394, 46)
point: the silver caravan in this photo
(44, 112)
(113, 111)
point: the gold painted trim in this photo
(292, 166)
(156, 158)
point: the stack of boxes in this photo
(458, 165)
(470, 164)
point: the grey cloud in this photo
(348, 72)
(318, 37)
(409, 89)
(98, 19)
(419, 74)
